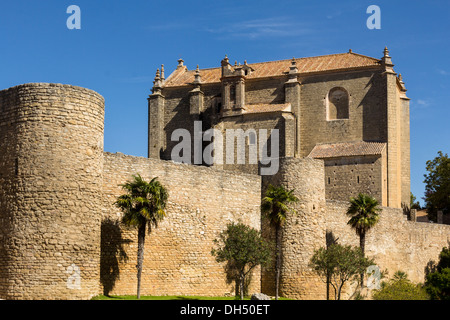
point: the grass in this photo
(103, 297)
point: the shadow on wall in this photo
(232, 275)
(374, 116)
(111, 253)
(330, 238)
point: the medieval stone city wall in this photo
(60, 236)
(301, 231)
(395, 243)
(177, 258)
(51, 168)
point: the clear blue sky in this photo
(122, 43)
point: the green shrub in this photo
(437, 281)
(400, 288)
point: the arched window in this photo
(337, 104)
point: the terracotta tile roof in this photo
(261, 108)
(347, 149)
(341, 61)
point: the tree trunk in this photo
(278, 260)
(339, 291)
(140, 257)
(362, 244)
(241, 286)
(328, 286)
(335, 289)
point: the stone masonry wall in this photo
(347, 176)
(394, 242)
(60, 236)
(248, 123)
(366, 121)
(51, 164)
(177, 112)
(264, 91)
(301, 232)
(177, 259)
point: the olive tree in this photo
(339, 264)
(243, 248)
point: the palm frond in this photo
(363, 211)
(275, 203)
(143, 202)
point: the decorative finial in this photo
(180, 62)
(235, 63)
(386, 61)
(197, 77)
(293, 69)
(402, 84)
(225, 61)
(245, 62)
(162, 73)
(157, 83)
(350, 51)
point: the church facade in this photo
(347, 109)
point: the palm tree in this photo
(275, 205)
(143, 205)
(363, 211)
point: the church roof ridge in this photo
(337, 61)
(318, 56)
(347, 149)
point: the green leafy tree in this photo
(142, 205)
(243, 248)
(275, 205)
(437, 282)
(400, 288)
(437, 185)
(364, 214)
(339, 264)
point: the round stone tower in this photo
(303, 231)
(51, 163)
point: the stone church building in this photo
(347, 109)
